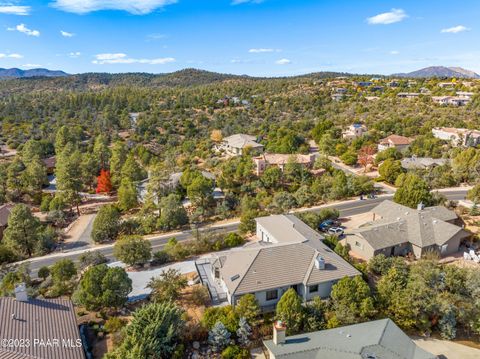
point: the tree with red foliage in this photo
(104, 184)
(365, 156)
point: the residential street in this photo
(346, 208)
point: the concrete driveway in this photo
(447, 349)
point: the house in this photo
(393, 83)
(408, 95)
(446, 85)
(423, 163)
(50, 164)
(378, 339)
(5, 210)
(364, 83)
(354, 131)
(458, 136)
(401, 143)
(236, 144)
(43, 328)
(169, 185)
(399, 230)
(279, 160)
(465, 94)
(451, 100)
(339, 96)
(425, 91)
(289, 254)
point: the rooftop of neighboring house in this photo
(40, 319)
(241, 140)
(422, 162)
(50, 162)
(379, 339)
(281, 159)
(400, 224)
(396, 140)
(5, 210)
(289, 260)
(457, 131)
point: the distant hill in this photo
(440, 71)
(18, 73)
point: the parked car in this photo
(336, 231)
(327, 224)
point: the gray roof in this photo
(289, 262)
(241, 140)
(380, 339)
(422, 162)
(5, 213)
(400, 224)
(41, 319)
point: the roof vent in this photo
(420, 206)
(349, 335)
(235, 277)
(320, 262)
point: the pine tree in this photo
(104, 184)
(219, 337)
(243, 332)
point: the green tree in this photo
(168, 285)
(63, 270)
(272, 178)
(103, 287)
(44, 272)
(127, 195)
(412, 191)
(106, 224)
(153, 333)
(68, 174)
(290, 311)
(350, 158)
(352, 300)
(474, 194)
(133, 250)
(247, 307)
(218, 337)
(101, 152)
(390, 169)
(132, 170)
(172, 212)
(14, 181)
(35, 175)
(117, 160)
(23, 231)
(199, 191)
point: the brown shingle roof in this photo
(51, 320)
(396, 140)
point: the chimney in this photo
(420, 206)
(21, 293)
(319, 262)
(279, 332)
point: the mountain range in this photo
(19, 73)
(440, 71)
(195, 76)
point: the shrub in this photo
(114, 324)
(160, 257)
(233, 240)
(235, 352)
(200, 295)
(44, 272)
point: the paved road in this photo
(348, 208)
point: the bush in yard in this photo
(160, 257)
(244, 332)
(235, 352)
(218, 337)
(44, 272)
(225, 314)
(168, 285)
(114, 324)
(91, 258)
(62, 271)
(106, 224)
(233, 240)
(290, 311)
(200, 295)
(133, 250)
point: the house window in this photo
(313, 288)
(272, 294)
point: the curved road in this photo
(346, 208)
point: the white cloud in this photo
(67, 34)
(262, 50)
(137, 7)
(11, 56)
(394, 52)
(31, 66)
(391, 17)
(14, 9)
(22, 28)
(455, 29)
(283, 62)
(74, 54)
(239, 2)
(157, 36)
(119, 58)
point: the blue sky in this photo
(254, 37)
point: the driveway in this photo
(447, 349)
(80, 235)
